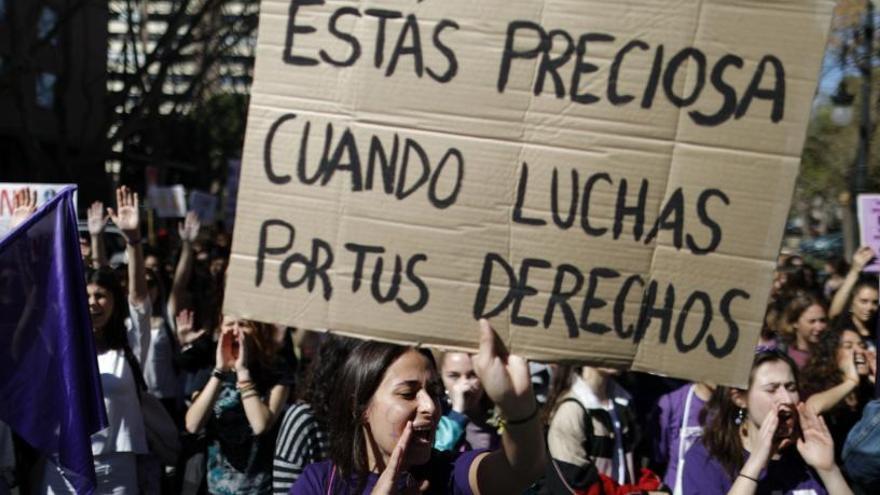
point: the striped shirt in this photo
(301, 441)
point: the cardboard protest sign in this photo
(606, 180)
(45, 192)
(868, 207)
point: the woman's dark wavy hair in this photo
(319, 388)
(358, 381)
(113, 335)
(154, 279)
(773, 317)
(721, 433)
(265, 347)
(822, 371)
(797, 279)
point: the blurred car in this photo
(824, 246)
(794, 227)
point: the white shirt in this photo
(159, 367)
(582, 392)
(125, 432)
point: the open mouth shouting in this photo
(423, 434)
(788, 428)
(861, 363)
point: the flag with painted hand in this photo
(50, 388)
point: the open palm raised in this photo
(126, 216)
(24, 204)
(816, 446)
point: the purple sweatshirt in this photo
(788, 475)
(446, 472)
(671, 408)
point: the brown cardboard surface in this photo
(718, 194)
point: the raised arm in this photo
(127, 218)
(24, 204)
(186, 333)
(197, 414)
(261, 414)
(96, 222)
(860, 259)
(506, 380)
(188, 231)
(817, 448)
(762, 448)
(823, 401)
(203, 402)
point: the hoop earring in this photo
(740, 417)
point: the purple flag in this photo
(50, 388)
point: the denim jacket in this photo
(861, 452)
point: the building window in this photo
(48, 19)
(2, 10)
(45, 90)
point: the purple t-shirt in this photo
(446, 472)
(799, 357)
(671, 414)
(788, 475)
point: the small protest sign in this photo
(169, 202)
(45, 192)
(869, 227)
(204, 204)
(606, 180)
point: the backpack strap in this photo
(561, 475)
(136, 371)
(169, 331)
(595, 446)
(588, 423)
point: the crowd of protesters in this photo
(260, 408)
